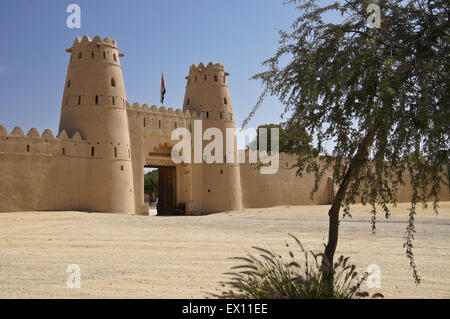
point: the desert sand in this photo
(131, 256)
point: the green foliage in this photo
(297, 140)
(379, 96)
(265, 275)
(151, 183)
(292, 139)
(281, 135)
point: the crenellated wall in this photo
(42, 172)
(35, 144)
(160, 121)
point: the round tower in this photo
(94, 104)
(207, 92)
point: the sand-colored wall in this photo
(282, 188)
(286, 188)
(42, 172)
(405, 192)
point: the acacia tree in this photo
(379, 95)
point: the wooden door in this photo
(166, 190)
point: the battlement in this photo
(163, 111)
(161, 121)
(198, 73)
(210, 67)
(96, 42)
(33, 134)
(47, 144)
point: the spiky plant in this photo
(265, 275)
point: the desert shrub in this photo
(265, 275)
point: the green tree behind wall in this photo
(151, 184)
(292, 138)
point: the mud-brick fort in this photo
(96, 160)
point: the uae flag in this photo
(163, 88)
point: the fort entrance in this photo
(167, 195)
(160, 158)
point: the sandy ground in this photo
(128, 256)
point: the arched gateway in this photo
(168, 195)
(126, 138)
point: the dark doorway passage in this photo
(166, 203)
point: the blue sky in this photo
(156, 36)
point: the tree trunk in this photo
(333, 229)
